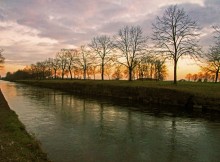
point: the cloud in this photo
(32, 30)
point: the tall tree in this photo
(2, 59)
(175, 33)
(131, 44)
(103, 46)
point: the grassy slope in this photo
(201, 95)
(15, 143)
(209, 90)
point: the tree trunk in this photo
(62, 74)
(102, 75)
(175, 72)
(55, 75)
(216, 75)
(71, 76)
(84, 73)
(130, 74)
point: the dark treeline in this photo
(71, 64)
(128, 53)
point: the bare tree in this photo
(55, 66)
(160, 69)
(103, 46)
(108, 69)
(131, 44)
(84, 60)
(42, 69)
(2, 59)
(213, 60)
(176, 35)
(62, 57)
(71, 60)
(117, 74)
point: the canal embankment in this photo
(15, 143)
(189, 96)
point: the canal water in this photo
(72, 128)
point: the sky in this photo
(34, 30)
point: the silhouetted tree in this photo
(103, 47)
(62, 59)
(160, 69)
(117, 74)
(189, 76)
(176, 35)
(84, 60)
(2, 59)
(71, 60)
(55, 66)
(195, 77)
(213, 60)
(131, 44)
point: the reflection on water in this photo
(82, 129)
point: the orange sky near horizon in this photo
(184, 67)
(35, 30)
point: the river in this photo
(72, 128)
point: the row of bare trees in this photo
(201, 77)
(175, 35)
(212, 57)
(83, 63)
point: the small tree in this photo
(55, 66)
(2, 59)
(160, 69)
(176, 35)
(188, 76)
(103, 47)
(131, 44)
(213, 60)
(71, 60)
(84, 60)
(62, 57)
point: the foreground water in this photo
(74, 128)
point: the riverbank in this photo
(187, 95)
(15, 143)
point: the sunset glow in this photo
(34, 30)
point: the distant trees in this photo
(131, 45)
(2, 59)
(152, 68)
(212, 59)
(202, 76)
(176, 35)
(188, 76)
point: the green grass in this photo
(210, 90)
(15, 143)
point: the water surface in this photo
(81, 129)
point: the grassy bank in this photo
(203, 95)
(15, 143)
